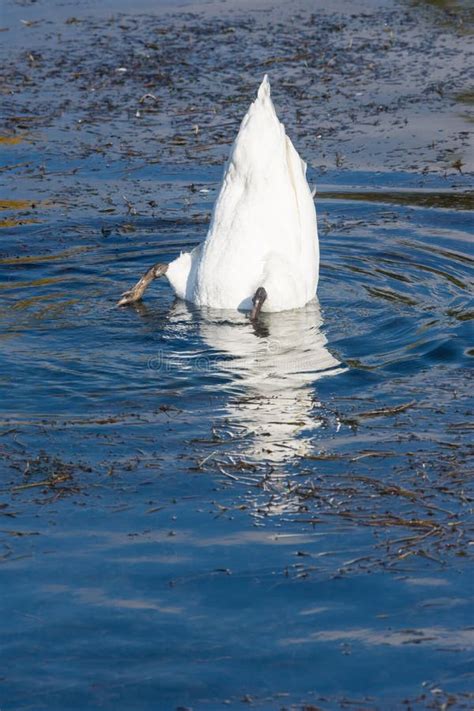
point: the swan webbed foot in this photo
(135, 293)
(258, 300)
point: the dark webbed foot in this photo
(258, 301)
(136, 293)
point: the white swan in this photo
(261, 251)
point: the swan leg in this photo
(136, 292)
(258, 300)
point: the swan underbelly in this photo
(269, 239)
(229, 281)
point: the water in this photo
(201, 513)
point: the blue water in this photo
(165, 572)
(201, 513)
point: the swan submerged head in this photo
(262, 239)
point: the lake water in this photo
(197, 512)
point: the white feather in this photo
(263, 230)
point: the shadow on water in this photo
(442, 200)
(446, 4)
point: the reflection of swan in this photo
(262, 244)
(273, 370)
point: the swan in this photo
(261, 252)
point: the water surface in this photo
(202, 513)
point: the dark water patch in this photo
(442, 200)
(466, 97)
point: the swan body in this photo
(263, 231)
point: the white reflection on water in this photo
(272, 368)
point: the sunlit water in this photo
(200, 512)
